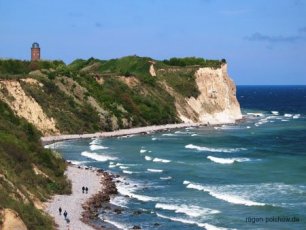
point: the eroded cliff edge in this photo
(217, 102)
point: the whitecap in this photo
(193, 135)
(98, 157)
(123, 167)
(143, 150)
(185, 221)
(288, 115)
(94, 141)
(284, 120)
(189, 210)
(97, 147)
(207, 149)
(275, 113)
(155, 170)
(223, 196)
(127, 172)
(161, 160)
(186, 182)
(166, 178)
(123, 190)
(296, 116)
(227, 160)
(154, 138)
(120, 201)
(116, 224)
(147, 158)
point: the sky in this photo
(263, 41)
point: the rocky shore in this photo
(82, 207)
(96, 202)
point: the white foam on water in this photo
(185, 221)
(223, 196)
(284, 120)
(248, 127)
(56, 145)
(288, 115)
(111, 166)
(256, 114)
(98, 157)
(120, 201)
(147, 158)
(220, 160)
(161, 160)
(166, 178)
(207, 149)
(143, 150)
(296, 116)
(127, 172)
(116, 224)
(94, 141)
(123, 167)
(97, 147)
(186, 182)
(189, 210)
(193, 135)
(127, 191)
(169, 134)
(154, 138)
(126, 136)
(155, 170)
(77, 162)
(275, 112)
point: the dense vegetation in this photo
(20, 149)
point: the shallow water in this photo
(225, 177)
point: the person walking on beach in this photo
(86, 189)
(60, 210)
(65, 214)
(83, 189)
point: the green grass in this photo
(20, 148)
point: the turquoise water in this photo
(233, 177)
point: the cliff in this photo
(95, 95)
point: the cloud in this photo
(278, 38)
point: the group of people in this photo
(65, 214)
(85, 189)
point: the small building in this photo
(35, 52)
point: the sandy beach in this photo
(120, 132)
(79, 177)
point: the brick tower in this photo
(35, 52)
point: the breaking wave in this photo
(98, 157)
(220, 160)
(207, 149)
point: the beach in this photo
(73, 204)
(120, 132)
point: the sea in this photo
(251, 175)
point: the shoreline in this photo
(121, 132)
(82, 208)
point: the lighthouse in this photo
(35, 52)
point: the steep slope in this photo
(29, 174)
(217, 102)
(93, 95)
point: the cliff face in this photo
(217, 102)
(89, 96)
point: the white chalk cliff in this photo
(217, 102)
